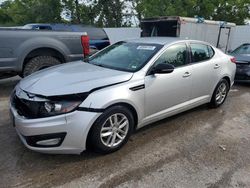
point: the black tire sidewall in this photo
(36, 63)
(95, 131)
(213, 102)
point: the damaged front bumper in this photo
(71, 130)
(60, 134)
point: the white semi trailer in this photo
(217, 33)
(241, 36)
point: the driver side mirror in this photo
(162, 68)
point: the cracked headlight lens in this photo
(51, 108)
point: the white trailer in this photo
(122, 33)
(215, 32)
(241, 36)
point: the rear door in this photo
(163, 91)
(205, 70)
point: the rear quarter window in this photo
(201, 52)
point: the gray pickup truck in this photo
(23, 52)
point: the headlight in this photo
(41, 107)
(51, 108)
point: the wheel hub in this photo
(221, 93)
(114, 130)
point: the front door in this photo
(163, 91)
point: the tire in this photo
(39, 63)
(102, 135)
(220, 93)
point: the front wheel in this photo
(220, 93)
(112, 129)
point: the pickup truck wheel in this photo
(39, 63)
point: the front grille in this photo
(26, 108)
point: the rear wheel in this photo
(112, 129)
(39, 63)
(220, 93)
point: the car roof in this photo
(61, 24)
(163, 40)
(42, 24)
(155, 40)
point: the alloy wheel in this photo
(114, 130)
(221, 93)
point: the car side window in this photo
(175, 55)
(201, 52)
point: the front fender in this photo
(121, 93)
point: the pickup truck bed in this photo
(25, 51)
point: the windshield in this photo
(125, 56)
(243, 49)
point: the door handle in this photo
(186, 74)
(216, 66)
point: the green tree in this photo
(225, 10)
(236, 11)
(154, 8)
(109, 12)
(79, 12)
(30, 11)
(72, 10)
(5, 18)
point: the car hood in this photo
(242, 58)
(71, 78)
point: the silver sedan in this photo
(130, 84)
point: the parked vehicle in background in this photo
(120, 89)
(217, 33)
(98, 37)
(242, 55)
(26, 51)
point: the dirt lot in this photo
(199, 148)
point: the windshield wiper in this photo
(100, 65)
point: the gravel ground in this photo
(199, 148)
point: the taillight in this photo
(233, 60)
(85, 45)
